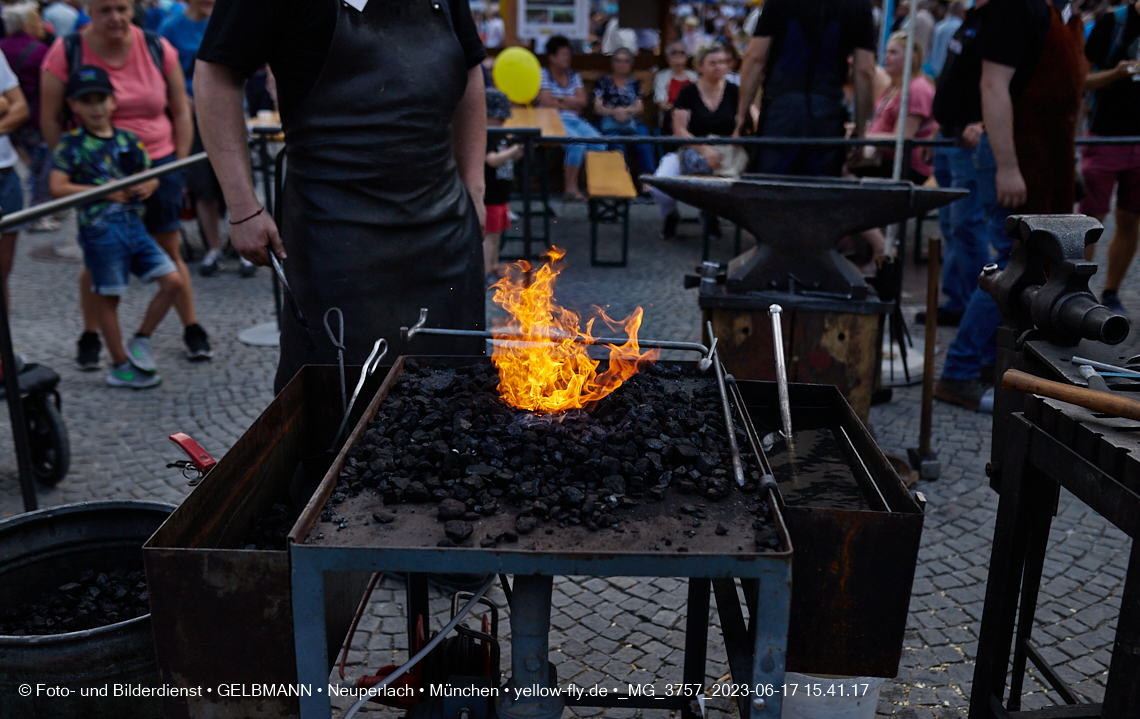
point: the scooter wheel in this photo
(47, 438)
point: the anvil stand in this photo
(833, 321)
(1041, 445)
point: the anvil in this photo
(798, 221)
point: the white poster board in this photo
(537, 18)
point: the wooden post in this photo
(509, 11)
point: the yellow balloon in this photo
(517, 73)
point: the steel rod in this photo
(729, 426)
(410, 332)
(1104, 367)
(776, 313)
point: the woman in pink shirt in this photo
(144, 95)
(920, 122)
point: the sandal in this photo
(573, 197)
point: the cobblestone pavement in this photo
(613, 630)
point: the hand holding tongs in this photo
(306, 333)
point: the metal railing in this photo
(8, 222)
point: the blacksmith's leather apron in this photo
(375, 219)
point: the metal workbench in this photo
(408, 545)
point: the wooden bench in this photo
(610, 188)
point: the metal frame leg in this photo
(1004, 580)
(771, 642)
(1040, 521)
(309, 640)
(1122, 695)
(608, 211)
(530, 651)
(696, 637)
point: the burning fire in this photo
(541, 368)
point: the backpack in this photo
(1120, 16)
(73, 51)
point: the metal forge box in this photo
(856, 529)
(223, 614)
(657, 539)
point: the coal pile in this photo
(270, 528)
(443, 437)
(94, 599)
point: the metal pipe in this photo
(81, 198)
(754, 141)
(530, 648)
(776, 312)
(904, 97)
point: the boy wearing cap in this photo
(111, 231)
(498, 175)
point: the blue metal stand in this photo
(761, 667)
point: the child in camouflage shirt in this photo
(111, 231)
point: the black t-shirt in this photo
(1007, 32)
(294, 37)
(1117, 106)
(497, 180)
(796, 27)
(703, 121)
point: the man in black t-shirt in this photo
(1005, 55)
(800, 50)
(1113, 50)
(384, 113)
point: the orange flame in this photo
(541, 368)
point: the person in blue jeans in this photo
(966, 249)
(617, 101)
(974, 346)
(111, 231)
(562, 88)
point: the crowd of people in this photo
(1003, 80)
(1009, 83)
(94, 91)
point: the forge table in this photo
(1051, 445)
(407, 545)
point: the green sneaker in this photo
(127, 375)
(138, 354)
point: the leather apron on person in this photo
(375, 219)
(1045, 118)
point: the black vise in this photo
(1045, 286)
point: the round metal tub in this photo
(44, 549)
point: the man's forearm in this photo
(218, 100)
(1097, 80)
(997, 114)
(751, 75)
(469, 133)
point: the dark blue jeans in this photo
(801, 115)
(974, 346)
(646, 159)
(963, 222)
